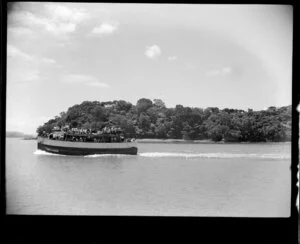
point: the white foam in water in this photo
(180, 155)
(40, 152)
(211, 155)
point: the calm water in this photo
(164, 179)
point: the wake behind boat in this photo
(85, 142)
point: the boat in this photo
(60, 142)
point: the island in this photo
(21, 135)
(151, 119)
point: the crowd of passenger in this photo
(107, 134)
(106, 130)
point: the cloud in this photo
(32, 21)
(83, 79)
(219, 72)
(55, 18)
(14, 52)
(172, 58)
(152, 52)
(24, 68)
(63, 13)
(105, 28)
(61, 28)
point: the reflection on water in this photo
(161, 180)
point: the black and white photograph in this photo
(126, 109)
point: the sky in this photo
(226, 56)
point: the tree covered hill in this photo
(152, 119)
(18, 134)
(14, 134)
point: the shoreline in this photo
(152, 140)
(179, 141)
(29, 138)
(182, 141)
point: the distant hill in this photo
(18, 134)
(14, 134)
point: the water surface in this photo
(163, 179)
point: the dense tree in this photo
(149, 119)
(162, 128)
(153, 114)
(122, 105)
(144, 122)
(99, 113)
(143, 104)
(159, 103)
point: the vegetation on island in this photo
(152, 119)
